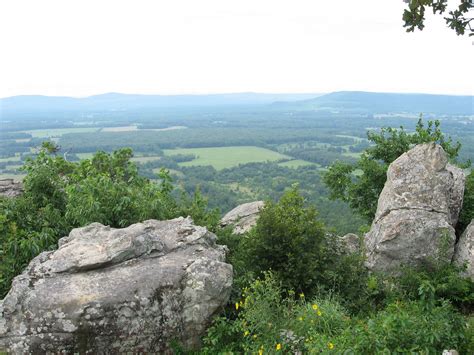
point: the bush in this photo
(290, 241)
(60, 195)
(268, 323)
(407, 327)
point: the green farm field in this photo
(227, 157)
(57, 132)
(137, 157)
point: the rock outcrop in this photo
(351, 243)
(111, 290)
(10, 188)
(243, 217)
(417, 210)
(464, 252)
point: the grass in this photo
(133, 128)
(145, 159)
(84, 155)
(227, 157)
(172, 128)
(352, 154)
(57, 132)
(120, 129)
(13, 167)
(17, 157)
(296, 163)
(357, 139)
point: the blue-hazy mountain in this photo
(343, 101)
(115, 101)
(375, 102)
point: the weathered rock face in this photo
(10, 188)
(351, 243)
(243, 217)
(417, 210)
(464, 252)
(111, 290)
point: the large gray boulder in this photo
(10, 188)
(243, 217)
(464, 252)
(111, 290)
(417, 210)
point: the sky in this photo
(86, 47)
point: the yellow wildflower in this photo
(260, 351)
(246, 333)
(300, 319)
(278, 346)
(315, 306)
(255, 336)
(319, 313)
(330, 346)
(237, 305)
(301, 295)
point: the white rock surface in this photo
(109, 290)
(417, 210)
(243, 217)
(464, 252)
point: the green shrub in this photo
(407, 327)
(290, 241)
(60, 195)
(269, 323)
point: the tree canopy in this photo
(414, 15)
(360, 184)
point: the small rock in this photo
(243, 217)
(351, 243)
(10, 188)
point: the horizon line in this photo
(233, 93)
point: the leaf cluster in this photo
(414, 15)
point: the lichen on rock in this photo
(134, 289)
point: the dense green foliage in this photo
(267, 322)
(290, 252)
(60, 195)
(290, 241)
(414, 15)
(296, 290)
(360, 184)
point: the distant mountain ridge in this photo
(343, 101)
(117, 101)
(376, 102)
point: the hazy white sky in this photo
(85, 47)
